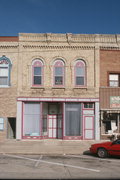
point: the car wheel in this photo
(102, 153)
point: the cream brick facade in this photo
(58, 46)
(48, 47)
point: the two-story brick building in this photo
(110, 91)
(49, 85)
(58, 87)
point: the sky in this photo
(59, 16)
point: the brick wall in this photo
(105, 94)
(8, 38)
(109, 62)
(48, 56)
(8, 95)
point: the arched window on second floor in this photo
(37, 73)
(5, 71)
(59, 73)
(80, 73)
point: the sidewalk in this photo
(46, 146)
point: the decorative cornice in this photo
(7, 46)
(57, 47)
(109, 48)
(64, 41)
(70, 38)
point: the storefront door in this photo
(88, 127)
(54, 121)
(52, 126)
(55, 126)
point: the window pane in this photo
(37, 70)
(58, 71)
(88, 105)
(73, 119)
(113, 77)
(1, 123)
(44, 124)
(79, 80)
(1, 126)
(31, 124)
(37, 80)
(32, 108)
(3, 80)
(3, 71)
(114, 83)
(1, 120)
(80, 71)
(58, 80)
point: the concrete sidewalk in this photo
(46, 146)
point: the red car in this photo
(105, 149)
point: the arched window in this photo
(58, 73)
(5, 69)
(37, 73)
(80, 73)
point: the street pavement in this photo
(26, 166)
(46, 146)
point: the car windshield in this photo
(117, 141)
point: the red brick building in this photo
(109, 91)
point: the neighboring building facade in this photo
(110, 91)
(49, 85)
(8, 86)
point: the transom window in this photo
(114, 80)
(88, 105)
(37, 72)
(59, 73)
(80, 73)
(5, 67)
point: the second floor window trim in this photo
(59, 73)
(37, 73)
(80, 73)
(114, 79)
(5, 71)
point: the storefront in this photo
(110, 120)
(109, 112)
(57, 118)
